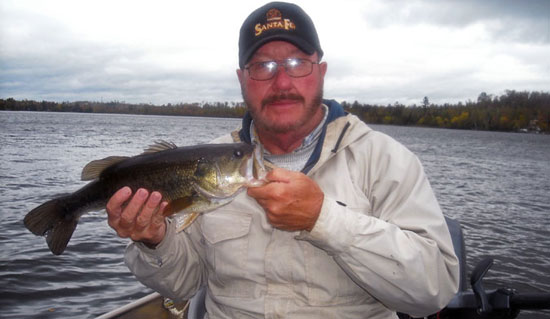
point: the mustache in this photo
(284, 96)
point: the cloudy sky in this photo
(378, 51)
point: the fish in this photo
(192, 179)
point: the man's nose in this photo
(282, 80)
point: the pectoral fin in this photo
(178, 205)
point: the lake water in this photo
(496, 184)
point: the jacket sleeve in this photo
(399, 250)
(174, 268)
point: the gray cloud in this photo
(76, 78)
(411, 53)
(141, 84)
(86, 71)
(512, 20)
(43, 58)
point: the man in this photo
(347, 227)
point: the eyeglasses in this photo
(266, 70)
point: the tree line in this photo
(216, 109)
(511, 111)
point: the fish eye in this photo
(238, 153)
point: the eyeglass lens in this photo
(267, 70)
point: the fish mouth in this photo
(254, 170)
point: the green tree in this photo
(425, 102)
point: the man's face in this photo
(283, 103)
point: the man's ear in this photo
(240, 75)
(323, 68)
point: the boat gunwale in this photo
(130, 306)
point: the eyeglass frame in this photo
(281, 63)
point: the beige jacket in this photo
(380, 244)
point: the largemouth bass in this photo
(193, 179)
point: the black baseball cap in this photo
(277, 21)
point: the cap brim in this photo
(297, 41)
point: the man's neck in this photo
(280, 143)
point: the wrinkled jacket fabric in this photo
(380, 244)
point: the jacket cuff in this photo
(164, 247)
(330, 232)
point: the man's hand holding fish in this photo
(141, 219)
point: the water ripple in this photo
(496, 184)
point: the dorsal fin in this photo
(93, 169)
(159, 146)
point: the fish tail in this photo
(53, 220)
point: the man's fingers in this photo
(144, 218)
(158, 218)
(139, 217)
(128, 216)
(114, 206)
(280, 175)
(291, 200)
(271, 190)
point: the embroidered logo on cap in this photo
(274, 21)
(273, 15)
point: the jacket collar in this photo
(335, 110)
